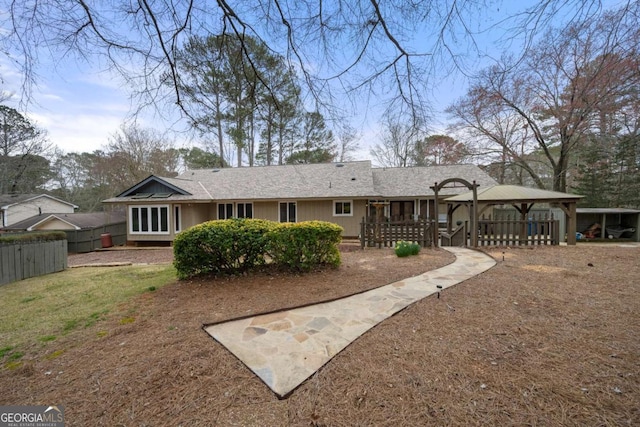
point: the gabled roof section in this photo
(153, 186)
(309, 181)
(417, 181)
(514, 194)
(8, 200)
(346, 180)
(51, 218)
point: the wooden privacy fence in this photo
(89, 239)
(388, 233)
(508, 230)
(30, 259)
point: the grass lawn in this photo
(41, 309)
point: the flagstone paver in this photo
(285, 348)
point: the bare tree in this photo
(560, 90)
(357, 47)
(439, 150)
(135, 153)
(347, 143)
(495, 135)
(398, 144)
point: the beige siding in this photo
(266, 210)
(55, 224)
(197, 213)
(192, 214)
(40, 205)
(150, 237)
(322, 210)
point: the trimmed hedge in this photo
(221, 246)
(38, 236)
(235, 246)
(304, 245)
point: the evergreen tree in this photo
(23, 167)
(316, 141)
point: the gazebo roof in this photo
(499, 194)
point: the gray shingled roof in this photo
(417, 181)
(312, 181)
(315, 181)
(81, 220)
(11, 199)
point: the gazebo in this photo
(521, 198)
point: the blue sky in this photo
(80, 107)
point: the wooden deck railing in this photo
(388, 233)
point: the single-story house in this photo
(67, 221)
(159, 207)
(85, 231)
(18, 207)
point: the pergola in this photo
(521, 198)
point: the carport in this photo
(610, 219)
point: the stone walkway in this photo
(285, 348)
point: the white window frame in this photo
(342, 203)
(177, 218)
(149, 219)
(233, 210)
(245, 204)
(288, 217)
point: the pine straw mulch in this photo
(550, 336)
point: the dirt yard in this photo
(550, 336)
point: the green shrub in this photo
(404, 249)
(36, 236)
(304, 245)
(223, 246)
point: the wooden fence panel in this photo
(9, 264)
(388, 233)
(88, 240)
(505, 230)
(20, 261)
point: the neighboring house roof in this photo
(8, 200)
(514, 194)
(76, 221)
(309, 181)
(417, 181)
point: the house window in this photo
(401, 210)
(342, 208)
(177, 219)
(287, 211)
(149, 219)
(239, 210)
(225, 210)
(245, 210)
